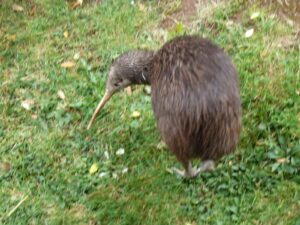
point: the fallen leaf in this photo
(147, 89)
(17, 8)
(125, 170)
(76, 56)
(103, 174)
(128, 90)
(94, 168)
(254, 15)
(66, 34)
(27, 104)
(68, 64)
(135, 114)
(282, 160)
(249, 33)
(34, 116)
(120, 151)
(61, 94)
(106, 155)
(12, 37)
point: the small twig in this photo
(17, 206)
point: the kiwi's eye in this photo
(117, 82)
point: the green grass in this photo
(50, 151)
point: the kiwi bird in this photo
(195, 98)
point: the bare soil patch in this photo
(184, 14)
(288, 10)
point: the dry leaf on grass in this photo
(103, 174)
(254, 15)
(66, 34)
(17, 8)
(135, 114)
(120, 151)
(68, 64)
(94, 168)
(27, 104)
(282, 160)
(249, 33)
(106, 155)
(125, 170)
(12, 37)
(115, 176)
(76, 56)
(147, 89)
(61, 94)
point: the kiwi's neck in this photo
(141, 68)
(141, 76)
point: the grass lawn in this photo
(54, 62)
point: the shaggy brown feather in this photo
(195, 95)
(195, 98)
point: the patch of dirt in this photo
(287, 41)
(288, 10)
(78, 211)
(189, 7)
(184, 14)
(187, 11)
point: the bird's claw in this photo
(191, 172)
(182, 173)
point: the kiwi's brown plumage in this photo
(195, 95)
(195, 98)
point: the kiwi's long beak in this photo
(103, 101)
